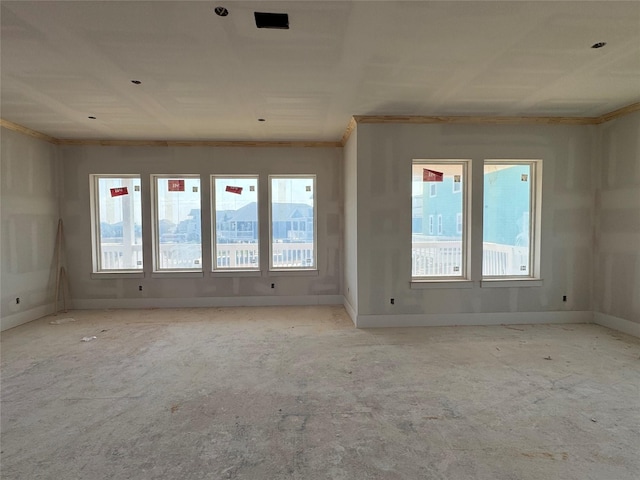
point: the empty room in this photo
(320, 240)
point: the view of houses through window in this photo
(438, 190)
(117, 221)
(292, 222)
(237, 236)
(440, 251)
(177, 244)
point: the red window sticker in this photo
(237, 190)
(176, 185)
(117, 192)
(432, 176)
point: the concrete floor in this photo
(298, 393)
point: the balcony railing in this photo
(441, 259)
(428, 258)
(187, 256)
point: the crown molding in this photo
(634, 107)
(27, 131)
(198, 143)
(355, 119)
(475, 120)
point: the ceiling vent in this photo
(272, 20)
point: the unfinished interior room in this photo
(320, 240)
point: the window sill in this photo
(236, 273)
(123, 274)
(510, 282)
(437, 284)
(177, 274)
(293, 273)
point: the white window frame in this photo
(463, 279)
(214, 229)
(313, 267)
(535, 218)
(456, 187)
(96, 250)
(156, 225)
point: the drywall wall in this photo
(29, 197)
(350, 285)
(167, 289)
(385, 153)
(616, 290)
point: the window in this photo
(443, 255)
(176, 216)
(117, 223)
(235, 213)
(457, 184)
(511, 206)
(293, 222)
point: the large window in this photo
(176, 215)
(235, 211)
(293, 224)
(440, 252)
(511, 203)
(117, 223)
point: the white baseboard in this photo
(257, 301)
(349, 308)
(451, 319)
(617, 323)
(27, 316)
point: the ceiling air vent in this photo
(272, 20)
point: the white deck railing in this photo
(441, 259)
(428, 258)
(187, 255)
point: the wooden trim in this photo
(347, 133)
(27, 131)
(477, 120)
(198, 143)
(634, 107)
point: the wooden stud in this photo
(347, 133)
(199, 143)
(27, 131)
(477, 120)
(634, 107)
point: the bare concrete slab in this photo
(298, 393)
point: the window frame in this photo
(465, 190)
(214, 224)
(96, 246)
(155, 237)
(534, 220)
(313, 267)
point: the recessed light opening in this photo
(598, 45)
(261, 120)
(272, 20)
(92, 117)
(136, 82)
(221, 11)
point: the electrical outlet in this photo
(564, 298)
(139, 288)
(393, 301)
(273, 285)
(17, 300)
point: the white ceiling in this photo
(206, 77)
